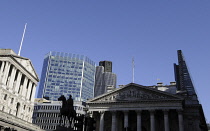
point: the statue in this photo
(67, 110)
(70, 102)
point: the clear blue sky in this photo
(151, 31)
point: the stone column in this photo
(17, 85)
(180, 116)
(29, 90)
(1, 71)
(152, 120)
(33, 93)
(101, 121)
(23, 92)
(11, 82)
(114, 123)
(126, 119)
(166, 122)
(6, 71)
(138, 120)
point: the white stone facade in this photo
(18, 82)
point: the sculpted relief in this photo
(134, 94)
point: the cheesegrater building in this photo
(65, 74)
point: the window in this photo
(5, 96)
(12, 100)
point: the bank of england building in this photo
(18, 81)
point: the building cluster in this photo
(130, 107)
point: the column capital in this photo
(101, 112)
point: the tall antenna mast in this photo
(22, 39)
(133, 66)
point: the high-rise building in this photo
(105, 80)
(183, 80)
(18, 81)
(182, 75)
(65, 74)
(107, 65)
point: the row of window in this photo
(47, 107)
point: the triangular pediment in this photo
(26, 63)
(134, 92)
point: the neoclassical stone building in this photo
(135, 107)
(138, 108)
(18, 81)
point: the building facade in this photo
(105, 80)
(65, 74)
(46, 113)
(135, 107)
(18, 81)
(107, 65)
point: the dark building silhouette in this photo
(107, 65)
(193, 111)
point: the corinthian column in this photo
(138, 120)
(1, 71)
(24, 87)
(102, 121)
(29, 90)
(114, 121)
(126, 119)
(6, 71)
(11, 82)
(180, 116)
(166, 123)
(17, 85)
(33, 93)
(152, 120)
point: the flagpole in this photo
(22, 39)
(133, 69)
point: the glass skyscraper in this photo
(65, 74)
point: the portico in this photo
(137, 108)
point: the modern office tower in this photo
(105, 80)
(183, 79)
(18, 81)
(107, 65)
(65, 74)
(182, 75)
(46, 113)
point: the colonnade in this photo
(139, 120)
(15, 80)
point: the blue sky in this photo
(116, 30)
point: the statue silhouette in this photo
(67, 110)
